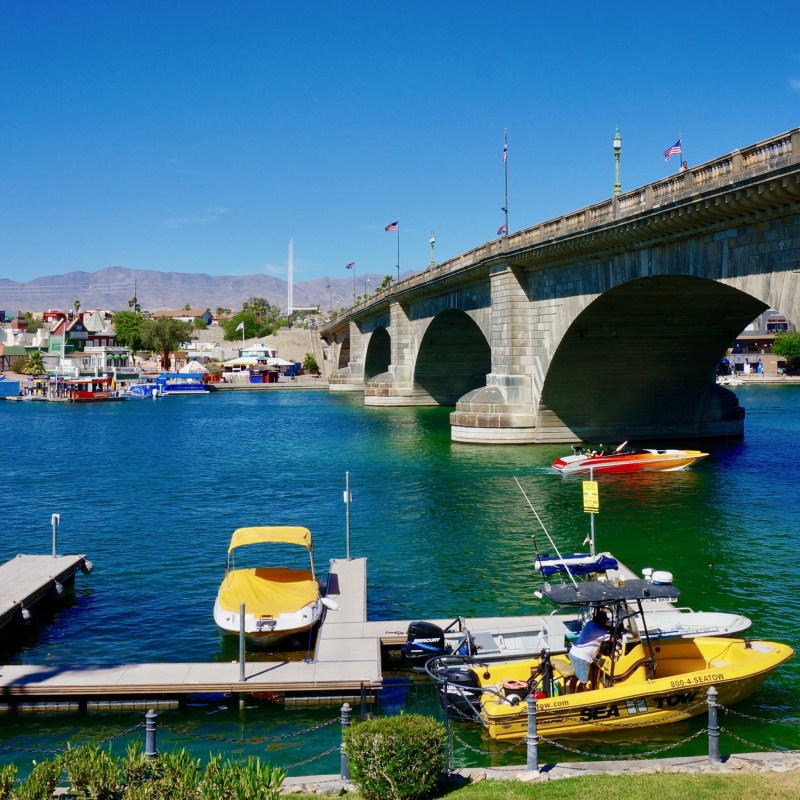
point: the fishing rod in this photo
(546, 532)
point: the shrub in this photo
(310, 363)
(93, 772)
(8, 773)
(396, 758)
(41, 783)
(234, 780)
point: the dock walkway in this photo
(347, 661)
(27, 580)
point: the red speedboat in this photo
(599, 458)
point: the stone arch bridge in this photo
(604, 324)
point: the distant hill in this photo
(113, 287)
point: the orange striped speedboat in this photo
(599, 458)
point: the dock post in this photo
(713, 726)
(344, 769)
(533, 737)
(448, 755)
(54, 520)
(150, 751)
(241, 643)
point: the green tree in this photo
(310, 363)
(164, 335)
(32, 365)
(245, 317)
(128, 329)
(387, 282)
(31, 323)
(788, 346)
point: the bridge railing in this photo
(749, 162)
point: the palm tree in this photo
(33, 364)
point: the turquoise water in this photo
(151, 491)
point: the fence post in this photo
(242, 676)
(150, 750)
(448, 733)
(344, 769)
(713, 726)
(533, 736)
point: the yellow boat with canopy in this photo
(633, 681)
(278, 600)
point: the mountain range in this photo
(112, 289)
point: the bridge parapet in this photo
(763, 157)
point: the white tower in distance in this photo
(290, 299)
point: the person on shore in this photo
(586, 647)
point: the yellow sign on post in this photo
(591, 497)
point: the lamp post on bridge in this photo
(617, 151)
(432, 240)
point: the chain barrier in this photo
(333, 749)
(467, 746)
(59, 750)
(627, 756)
(735, 713)
(744, 741)
(254, 740)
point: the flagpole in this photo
(505, 170)
(354, 283)
(398, 251)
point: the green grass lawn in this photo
(659, 786)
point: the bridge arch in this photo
(641, 357)
(379, 353)
(344, 353)
(454, 358)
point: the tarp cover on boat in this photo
(268, 591)
(287, 534)
(579, 564)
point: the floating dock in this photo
(26, 581)
(347, 663)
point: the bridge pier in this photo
(498, 413)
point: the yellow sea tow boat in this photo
(634, 681)
(279, 601)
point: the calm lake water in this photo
(151, 491)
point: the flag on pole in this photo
(392, 226)
(675, 150)
(351, 265)
(502, 230)
(240, 326)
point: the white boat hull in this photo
(262, 631)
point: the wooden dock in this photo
(26, 581)
(347, 662)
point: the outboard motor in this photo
(424, 641)
(460, 693)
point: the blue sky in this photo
(201, 136)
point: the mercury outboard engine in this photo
(460, 692)
(424, 641)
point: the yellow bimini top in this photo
(286, 534)
(269, 590)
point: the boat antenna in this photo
(546, 533)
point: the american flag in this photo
(392, 226)
(502, 230)
(675, 150)
(351, 265)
